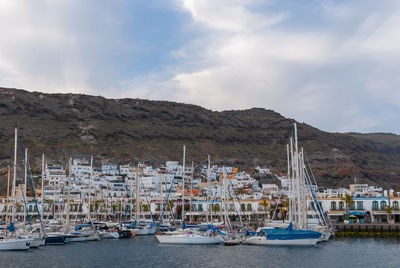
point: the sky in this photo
(333, 64)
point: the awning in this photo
(357, 213)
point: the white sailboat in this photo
(185, 236)
(13, 243)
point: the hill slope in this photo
(64, 125)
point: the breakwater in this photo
(367, 230)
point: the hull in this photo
(37, 242)
(78, 238)
(145, 231)
(124, 234)
(93, 237)
(188, 239)
(110, 235)
(15, 244)
(55, 240)
(277, 242)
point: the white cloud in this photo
(332, 64)
(325, 76)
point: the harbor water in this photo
(147, 252)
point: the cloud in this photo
(332, 64)
(325, 71)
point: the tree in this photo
(215, 207)
(348, 200)
(264, 203)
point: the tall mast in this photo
(297, 170)
(183, 183)
(137, 197)
(42, 183)
(131, 198)
(289, 184)
(15, 175)
(90, 186)
(161, 194)
(191, 192)
(8, 195)
(208, 187)
(69, 189)
(25, 175)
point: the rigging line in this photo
(240, 205)
(169, 191)
(148, 204)
(33, 188)
(23, 197)
(236, 211)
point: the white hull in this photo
(15, 244)
(93, 237)
(78, 239)
(262, 240)
(188, 239)
(145, 231)
(110, 235)
(37, 242)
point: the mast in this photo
(25, 175)
(208, 187)
(137, 197)
(42, 183)
(15, 175)
(90, 186)
(161, 194)
(131, 199)
(297, 171)
(183, 183)
(69, 190)
(8, 195)
(191, 192)
(289, 184)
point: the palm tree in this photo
(215, 207)
(389, 211)
(348, 200)
(264, 203)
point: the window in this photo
(333, 205)
(396, 205)
(375, 205)
(231, 207)
(243, 207)
(383, 205)
(341, 205)
(200, 207)
(249, 208)
(360, 205)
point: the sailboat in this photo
(297, 233)
(189, 236)
(37, 240)
(86, 232)
(12, 243)
(140, 228)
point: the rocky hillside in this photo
(64, 125)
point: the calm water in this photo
(146, 252)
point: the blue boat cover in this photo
(290, 234)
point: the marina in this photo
(75, 205)
(358, 252)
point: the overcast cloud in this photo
(332, 64)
